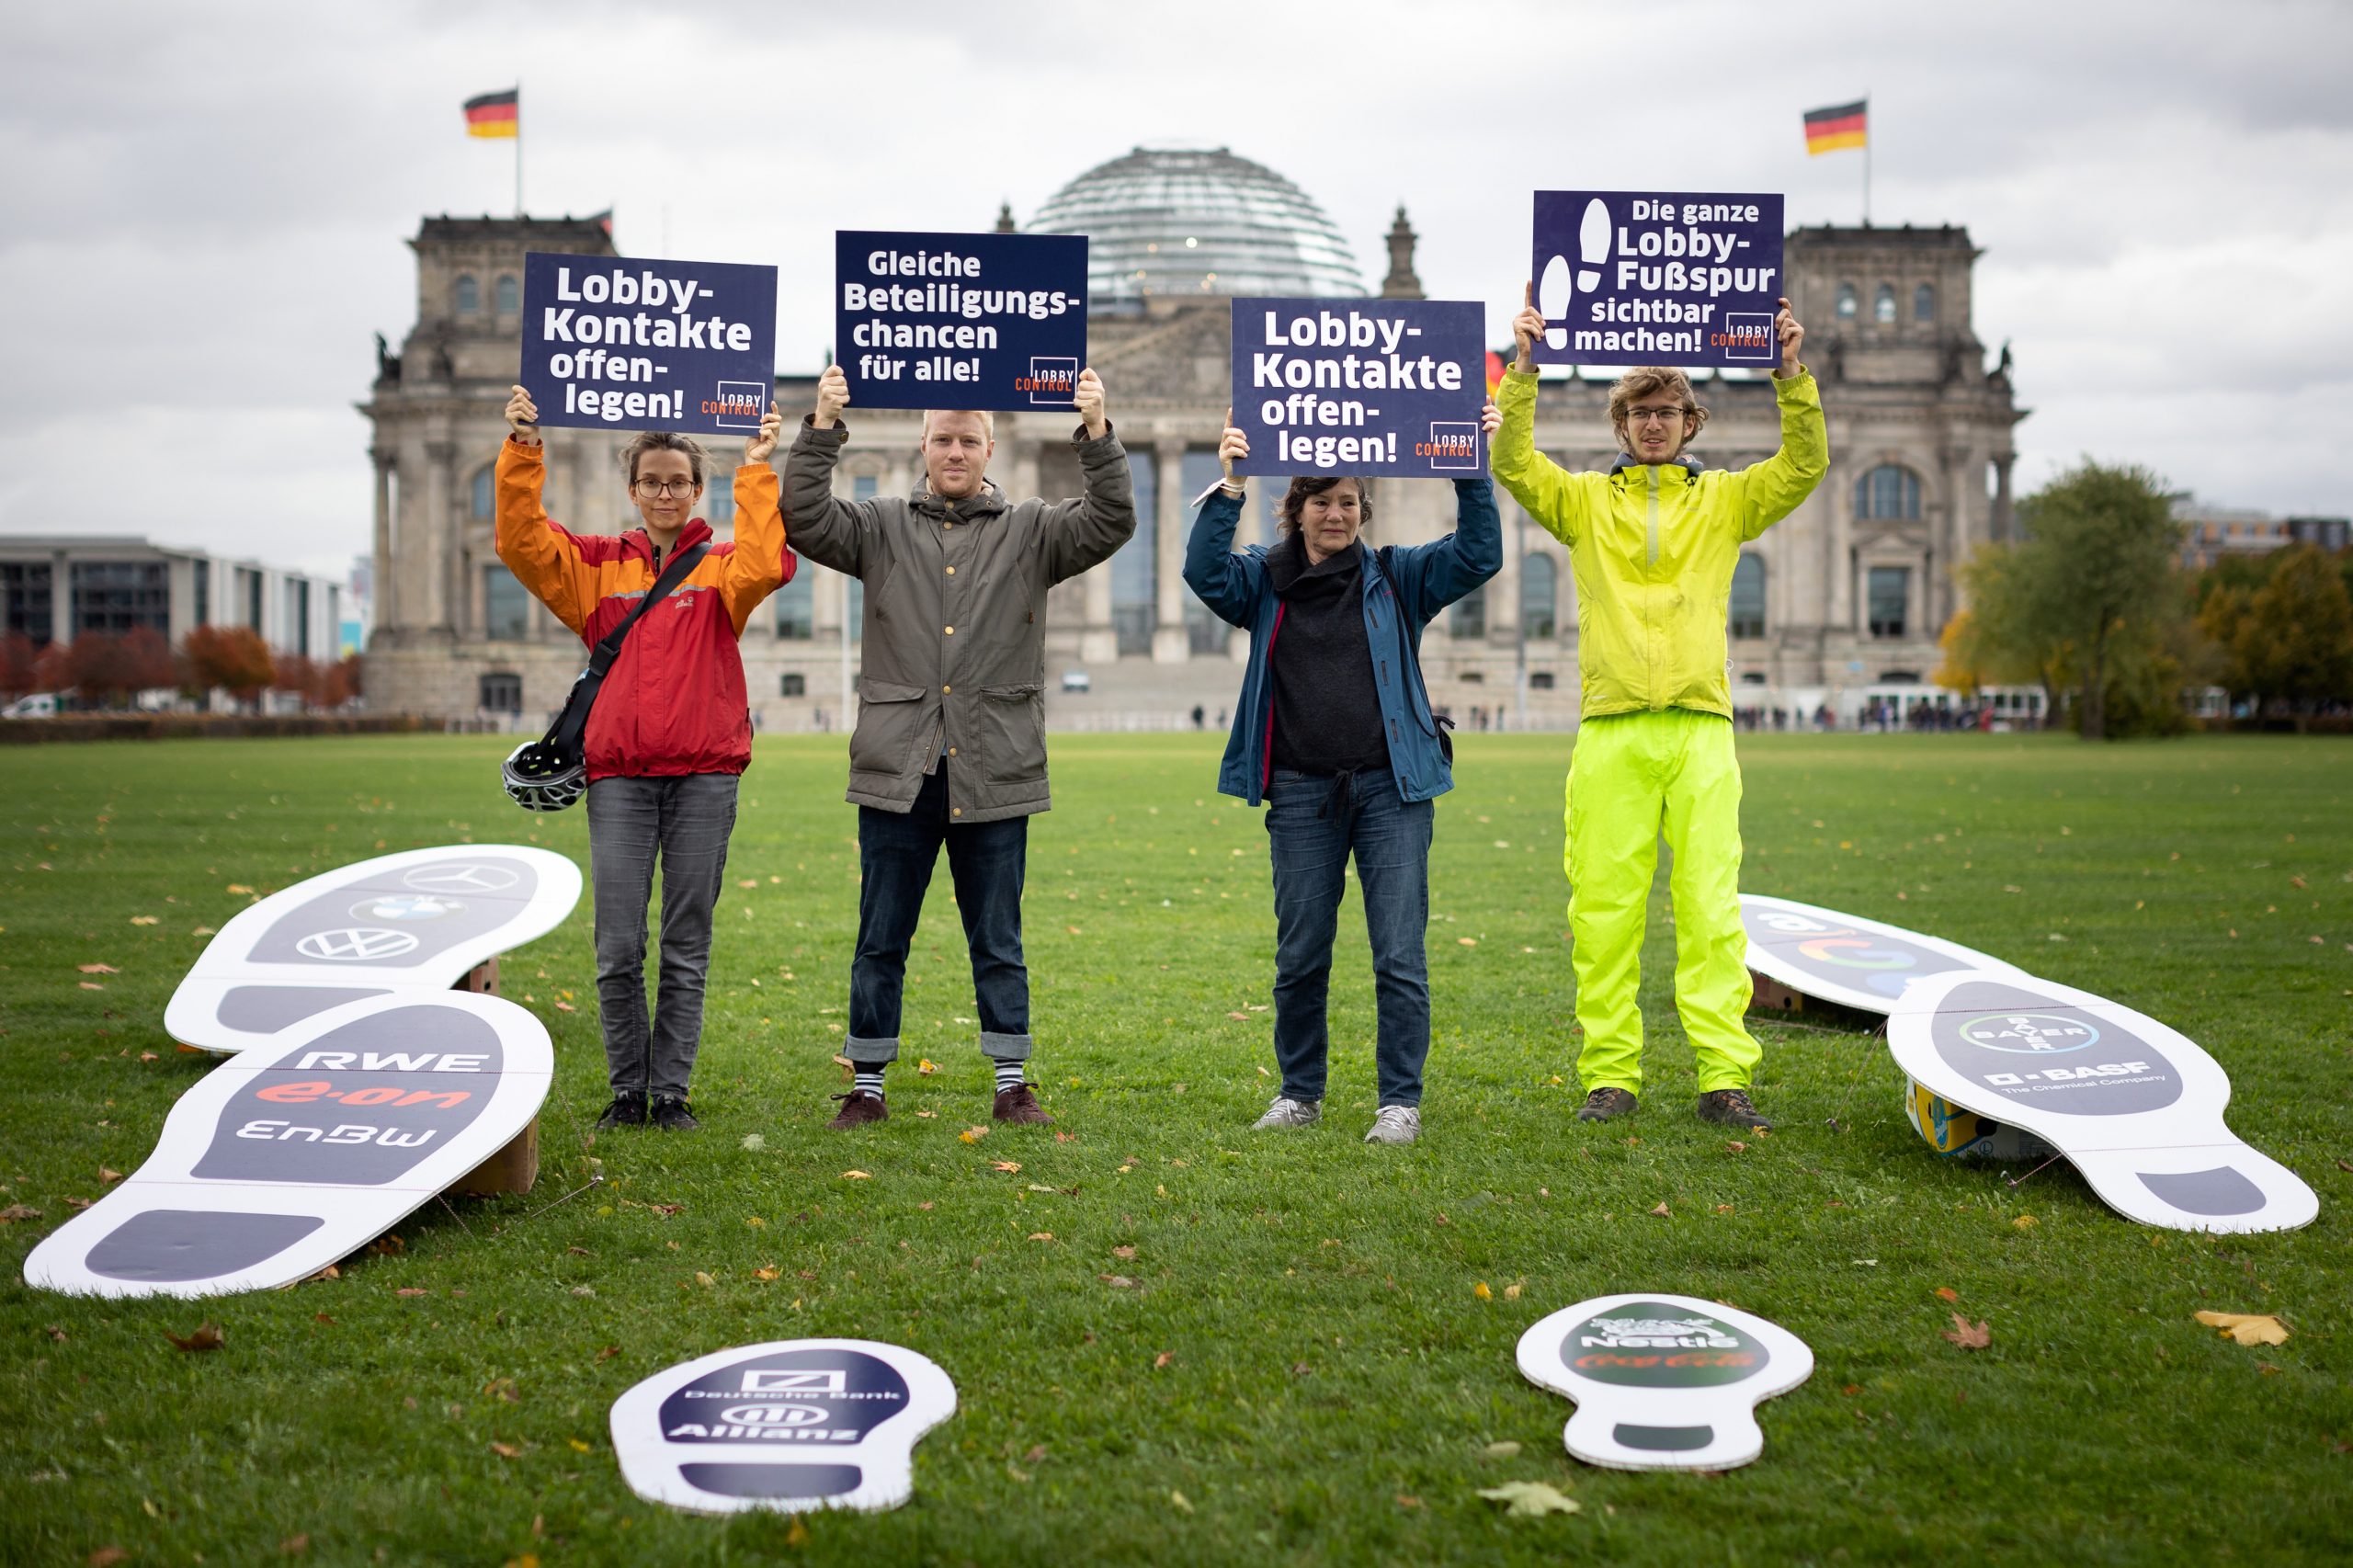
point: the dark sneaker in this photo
(628, 1110)
(858, 1108)
(1730, 1107)
(1603, 1104)
(671, 1115)
(1019, 1103)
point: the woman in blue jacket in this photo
(1334, 732)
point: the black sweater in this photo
(1327, 713)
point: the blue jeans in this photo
(685, 821)
(896, 852)
(1313, 825)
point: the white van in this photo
(36, 705)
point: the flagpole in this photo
(518, 153)
(1867, 158)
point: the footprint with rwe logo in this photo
(1554, 292)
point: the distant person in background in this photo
(1333, 732)
(1652, 545)
(671, 730)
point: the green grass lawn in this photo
(1306, 1368)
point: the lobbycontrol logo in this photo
(1051, 383)
(736, 405)
(1453, 445)
(1746, 335)
(355, 944)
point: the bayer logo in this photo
(405, 906)
(356, 944)
(2029, 1034)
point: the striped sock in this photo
(1009, 1073)
(867, 1081)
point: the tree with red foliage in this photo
(233, 658)
(19, 661)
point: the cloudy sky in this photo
(205, 204)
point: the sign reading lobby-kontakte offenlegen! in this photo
(612, 343)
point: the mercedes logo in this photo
(461, 876)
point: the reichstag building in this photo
(1847, 594)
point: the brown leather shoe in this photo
(1019, 1103)
(858, 1108)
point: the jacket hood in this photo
(696, 532)
(990, 499)
(1689, 462)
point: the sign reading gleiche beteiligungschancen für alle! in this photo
(960, 321)
(615, 343)
(1632, 277)
(1375, 387)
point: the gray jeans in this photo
(686, 820)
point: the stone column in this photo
(60, 600)
(2005, 525)
(1168, 640)
(381, 585)
(440, 541)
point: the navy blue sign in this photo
(1353, 386)
(617, 343)
(1627, 278)
(960, 321)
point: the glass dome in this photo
(1169, 220)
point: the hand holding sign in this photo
(758, 448)
(1089, 395)
(523, 417)
(1526, 328)
(1792, 334)
(1491, 419)
(1232, 447)
(832, 396)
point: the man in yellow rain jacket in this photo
(1652, 547)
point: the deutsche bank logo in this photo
(462, 877)
(1454, 445)
(737, 405)
(762, 1380)
(355, 944)
(1748, 335)
(1051, 383)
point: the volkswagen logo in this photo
(355, 944)
(461, 876)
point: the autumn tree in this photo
(19, 662)
(233, 658)
(2290, 639)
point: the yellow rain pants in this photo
(1632, 776)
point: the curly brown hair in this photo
(1295, 498)
(1643, 383)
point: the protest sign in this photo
(1372, 387)
(292, 1154)
(1627, 278)
(415, 921)
(621, 342)
(1661, 1381)
(2136, 1107)
(960, 321)
(789, 1425)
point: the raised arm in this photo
(759, 563)
(543, 556)
(1227, 582)
(1533, 480)
(1086, 530)
(828, 531)
(1771, 490)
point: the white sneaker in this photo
(1395, 1124)
(1287, 1112)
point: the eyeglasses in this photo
(654, 489)
(1644, 415)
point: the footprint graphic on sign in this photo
(1554, 292)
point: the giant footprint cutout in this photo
(790, 1425)
(413, 922)
(1661, 1381)
(291, 1156)
(1864, 965)
(2135, 1105)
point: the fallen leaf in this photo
(1511, 1293)
(972, 1134)
(206, 1337)
(1300, 1368)
(1405, 1501)
(1466, 941)
(91, 985)
(18, 1211)
(580, 1252)
(321, 1317)
(925, 1067)
(106, 1174)
(608, 1352)
(1123, 1253)
(1010, 1167)
(1968, 1337)
(1163, 1359)
(1116, 1281)
(1243, 1017)
(1480, 1290)
(97, 969)
(506, 1451)
(294, 1545)
(106, 1557)
(1736, 1146)
(577, 1446)
(148, 1056)
(702, 1278)
(1034, 1455)
(1531, 1499)
(565, 1007)
(1506, 1451)
(1177, 1498)
(1041, 1235)
(855, 1175)
(2024, 1222)
(142, 920)
(1662, 1212)
(1947, 1293)
(2247, 1328)
(56, 1332)
(409, 1291)
(239, 887)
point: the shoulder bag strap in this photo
(565, 736)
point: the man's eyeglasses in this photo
(1644, 415)
(654, 489)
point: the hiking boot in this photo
(628, 1110)
(1603, 1104)
(1395, 1124)
(671, 1115)
(1019, 1103)
(1730, 1107)
(1289, 1112)
(858, 1108)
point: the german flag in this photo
(1840, 126)
(495, 114)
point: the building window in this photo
(1748, 596)
(25, 597)
(116, 596)
(1539, 591)
(1467, 621)
(1204, 632)
(468, 294)
(505, 606)
(509, 295)
(202, 570)
(1845, 301)
(249, 595)
(1472, 677)
(1890, 590)
(501, 692)
(481, 496)
(1924, 302)
(297, 616)
(1883, 305)
(718, 500)
(1889, 491)
(1135, 576)
(796, 608)
(795, 684)
(1541, 680)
